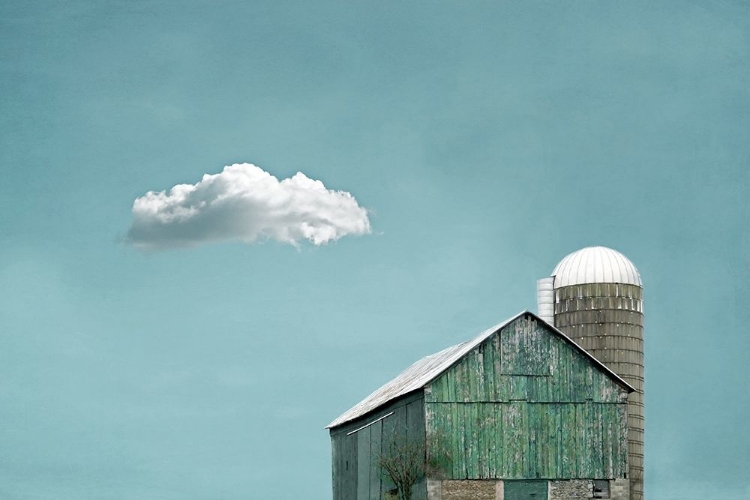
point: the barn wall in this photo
(344, 465)
(364, 439)
(527, 404)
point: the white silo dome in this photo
(595, 265)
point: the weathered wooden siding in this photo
(361, 444)
(526, 404)
(524, 362)
(518, 440)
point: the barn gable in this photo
(527, 360)
(526, 403)
(427, 369)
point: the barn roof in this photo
(430, 367)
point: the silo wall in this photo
(606, 319)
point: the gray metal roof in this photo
(430, 367)
(595, 265)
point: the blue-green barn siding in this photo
(363, 480)
(526, 404)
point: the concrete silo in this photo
(595, 296)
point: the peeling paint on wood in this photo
(527, 405)
(522, 404)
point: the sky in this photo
(154, 348)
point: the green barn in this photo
(519, 412)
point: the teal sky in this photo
(486, 139)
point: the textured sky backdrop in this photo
(485, 140)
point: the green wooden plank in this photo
(497, 410)
(481, 391)
(335, 467)
(482, 454)
(363, 464)
(456, 433)
(570, 440)
(477, 375)
(623, 438)
(516, 388)
(556, 445)
(525, 448)
(503, 388)
(461, 432)
(467, 382)
(480, 451)
(484, 384)
(376, 434)
(581, 441)
(606, 440)
(460, 382)
(551, 441)
(349, 479)
(519, 441)
(489, 439)
(532, 423)
(559, 448)
(564, 385)
(488, 431)
(470, 363)
(436, 390)
(452, 394)
(442, 394)
(541, 442)
(497, 368)
(531, 390)
(507, 449)
(470, 440)
(596, 442)
(580, 437)
(488, 370)
(522, 443)
(415, 424)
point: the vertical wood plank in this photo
(376, 434)
(363, 464)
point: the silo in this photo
(598, 302)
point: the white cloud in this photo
(248, 204)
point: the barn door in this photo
(525, 490)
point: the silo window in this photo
(601, 488)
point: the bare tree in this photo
(406, 463)
(403, 461)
